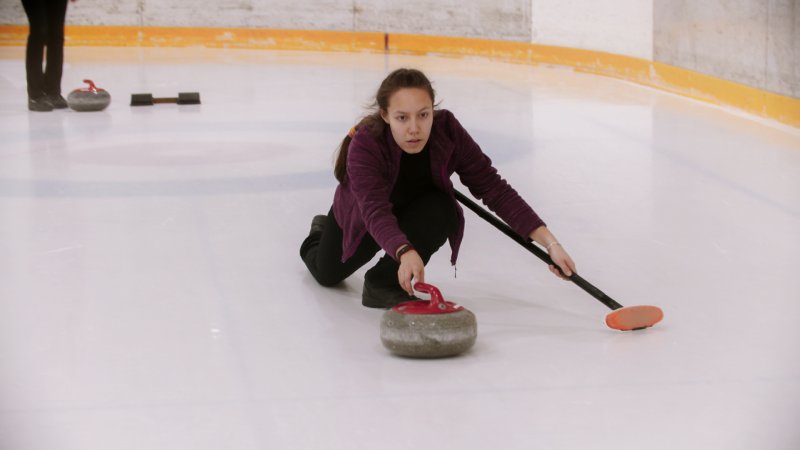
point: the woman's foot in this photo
(384, 296)
(57, 101)
(318, 224)
(40, 104)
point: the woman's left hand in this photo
(563, 261)
(545, 238)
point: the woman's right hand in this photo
(411, 269)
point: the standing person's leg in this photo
(321, 251)
(34, 52)
(56, 15)
(426, 222)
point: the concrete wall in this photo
(493, 19)
(754, 42)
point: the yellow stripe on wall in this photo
(662, 76)
(240, 38)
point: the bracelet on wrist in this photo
(405, 248)
(550, 245)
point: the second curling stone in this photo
(89, 99)
(428, 329)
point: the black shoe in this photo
(383, 297)
(318, 224)
(39, 104)
(57, 101)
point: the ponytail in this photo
(375, 124)
(340, 167)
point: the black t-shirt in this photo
(414, 178)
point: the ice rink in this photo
(152, 296)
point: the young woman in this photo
(395, 194)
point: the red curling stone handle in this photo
(92, 87)
(436, 305)
(436, 295)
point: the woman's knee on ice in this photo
(327, 280)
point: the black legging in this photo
(46, 18)
(426, 222)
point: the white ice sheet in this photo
(152, 296)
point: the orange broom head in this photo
(634, 317)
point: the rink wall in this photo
(739, 53)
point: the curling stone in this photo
(89, 99)
(428, 329)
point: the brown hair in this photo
(398, 79)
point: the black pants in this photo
(426, 221)
(46, 19)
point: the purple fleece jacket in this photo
(361, 205)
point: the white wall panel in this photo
(615, 26)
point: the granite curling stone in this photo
(89, 99)
(428, 329)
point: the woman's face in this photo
(410, 116)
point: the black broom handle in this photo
(541, 254)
